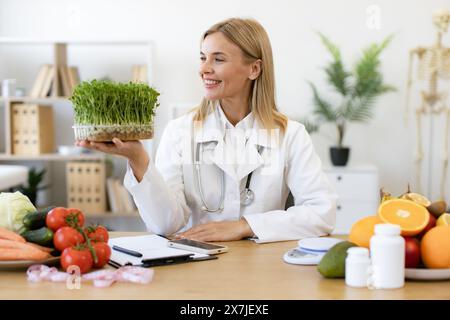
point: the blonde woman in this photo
(224, 171)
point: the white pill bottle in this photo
(387, 255)
(357, 265)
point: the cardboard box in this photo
(32, 129)
(86, 186)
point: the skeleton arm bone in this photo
(445, 158)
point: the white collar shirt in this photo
(235, 136)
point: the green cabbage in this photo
(13, 207)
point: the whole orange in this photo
(362, 230)
(435, 248)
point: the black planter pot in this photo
(339, 156)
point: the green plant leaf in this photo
(331, 47)
(360, 109)
(321, 107)
(338, 77)
(310, 125)
(359, 88)
(336, 74)
(368, 78)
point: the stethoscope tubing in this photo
(247, 193)
(199, 184)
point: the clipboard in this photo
(155, 252)
(167, 260)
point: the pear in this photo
(384, 195)
(437, 208)
(404, 195)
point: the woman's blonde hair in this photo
(254, 42)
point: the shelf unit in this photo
(60, 57)
(53, 157)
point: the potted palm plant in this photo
(357, 90)
(35, 177)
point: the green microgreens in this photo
(99, 102)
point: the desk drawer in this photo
(358, 186)
(350, 211)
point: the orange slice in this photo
(444, 220)
(418, 198)
(410, 216)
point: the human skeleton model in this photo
(433, 64)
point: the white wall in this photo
(175, 27)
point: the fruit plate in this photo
(427, 274)
(23, 264)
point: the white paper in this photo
(151, 247)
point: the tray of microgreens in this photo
(104, 110)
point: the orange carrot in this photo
(9, 235)
(9, 244)
(45, 249)
(20, 254)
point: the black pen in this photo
(163, 236)
(127, 251)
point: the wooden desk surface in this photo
(247, 271)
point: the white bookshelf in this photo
(53, 157)
(59, 56)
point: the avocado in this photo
(332, 264)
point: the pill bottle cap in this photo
(387, 229)
(358, 252)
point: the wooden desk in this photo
(247, 271)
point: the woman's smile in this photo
(211, 83)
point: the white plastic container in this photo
(103, 133)
(387, 251)
(357, 266)
(8, 88)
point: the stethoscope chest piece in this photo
(247, 196)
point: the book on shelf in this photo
(39, 81)
(69, 77)
(64, 80)
(48, 81)
(140, 74)
(74, 77)
(112, 199)
(120, 200)
(44, 84)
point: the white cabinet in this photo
(358, 191)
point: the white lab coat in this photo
(168, 199)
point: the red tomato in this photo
(97, 233)
(56, 218)
(79, 257)
(59, 217)
(103, 252)
(73, 212)
(67, 237)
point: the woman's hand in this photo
(132, 150)
(218, 231)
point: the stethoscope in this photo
(247, 195)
